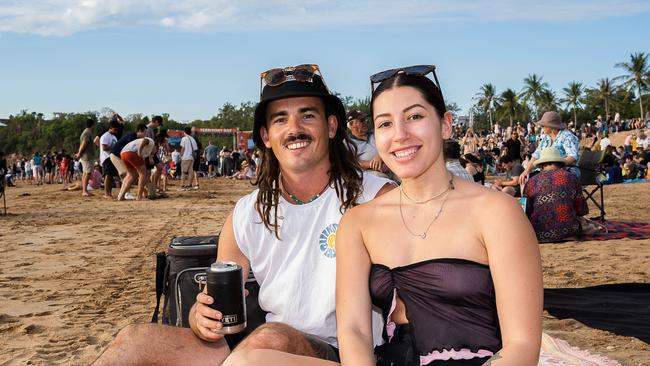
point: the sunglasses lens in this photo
(303, 73)
(381, 76)
(419, 70)
(275, 77)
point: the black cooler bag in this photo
(180, 276)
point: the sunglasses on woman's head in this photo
(417, 70)
(278, 76)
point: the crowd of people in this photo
(142, 159)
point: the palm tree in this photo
(508, 105)
(636, 75)
(486, 99)
(604, 92)
(547, 101)
(572, 98)
(532, 91)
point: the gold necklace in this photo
(450, 186)
(442, 205)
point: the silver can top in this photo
(220, 266)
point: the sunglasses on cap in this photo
(417, 70)
(301, 73)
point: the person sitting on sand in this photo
(554, 198)
(451, 151)
(284, 231)
(456, 286)
(513, 169)
(556, 135)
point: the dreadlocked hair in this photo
(345, 176)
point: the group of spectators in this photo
(538, 163)
(143, 159)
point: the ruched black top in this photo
(449, 302)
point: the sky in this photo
(187, 58)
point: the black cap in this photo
(289, 89)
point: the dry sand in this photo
(75, 271)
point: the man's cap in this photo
(550, 155)
(552, 120)
(357, 115)
(290, 89)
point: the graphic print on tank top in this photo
(327, 241)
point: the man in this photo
(286, 235)
(514, 147)
(106, 143)
(451, 152)
(153, 128)
(188, 145)
(365, 143)
(196, 167)
(556, 135)
(211, 155)
(513, 170)
(86, 155)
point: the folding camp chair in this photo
(591, 172)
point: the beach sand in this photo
(75, 271)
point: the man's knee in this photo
(131, 335)
(276, 336)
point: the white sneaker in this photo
(129, 196)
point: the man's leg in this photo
(282, 337)
(108, 186)
(87, 167)
(154, 344)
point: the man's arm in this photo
(82, 148)
(201, 317)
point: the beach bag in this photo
(180, 276)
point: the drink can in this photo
(226, 286)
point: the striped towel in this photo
(556, 352)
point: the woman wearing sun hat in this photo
(554, 198)
(556, 135)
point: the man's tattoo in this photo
(493, 358)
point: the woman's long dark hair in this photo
(345, 175)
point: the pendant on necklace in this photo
(423, 236)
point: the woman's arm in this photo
(515, 264)
(353, 305)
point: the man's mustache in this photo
(298, 137)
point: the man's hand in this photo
(375, 163)
(204, 319)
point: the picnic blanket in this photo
(622, 229)
(557, 352)
(622, 309)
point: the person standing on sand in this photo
(85, 155)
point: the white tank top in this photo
(297, 275)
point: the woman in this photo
(454, 266)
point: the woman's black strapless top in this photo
(450, 304)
